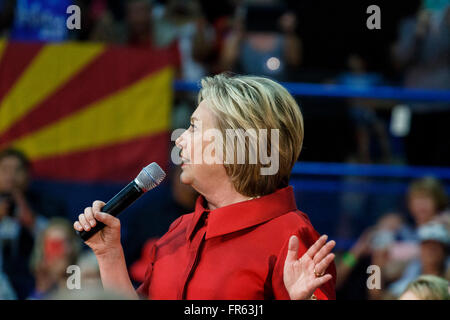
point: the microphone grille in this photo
(150, 176)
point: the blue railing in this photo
(369, 170)
(334, 177)
(345, 91)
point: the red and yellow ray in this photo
(86, 111)
(50, 68)
(15, 58)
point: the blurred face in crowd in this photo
(57, 253)
(432, 255)
(138, 16)
(422, 207)
(56, 245)
(201, 175)
(13, 175)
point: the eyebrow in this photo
(193, 119)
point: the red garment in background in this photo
(234, 252)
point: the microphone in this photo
(149, 177)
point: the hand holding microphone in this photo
(98, 225)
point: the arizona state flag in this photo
(84, 111)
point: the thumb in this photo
(107, 219)
(292, 254)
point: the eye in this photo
(193, 127)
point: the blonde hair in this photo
(250, 102)
(431, 187)
(429, 287)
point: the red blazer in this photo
(231, 253)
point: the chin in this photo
(185, 177)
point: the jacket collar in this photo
(242, 215)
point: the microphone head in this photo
(150, 177)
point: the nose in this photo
(180, 142)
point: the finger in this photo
(89, 215)
(86, 226)
(292, 254)
(107, 219)
(322, 266)
(97, 206)
(316, 246)
(77, 226)
(318, 282)
(324, 251)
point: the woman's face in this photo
(422, 208)
(12, 175)
(197, 170)
(55, 245)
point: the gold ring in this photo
(318, 275)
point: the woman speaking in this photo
(246, 239)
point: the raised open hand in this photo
(303, 276)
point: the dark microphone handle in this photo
(116, 205)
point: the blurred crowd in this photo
(403, 245)
(37, 242)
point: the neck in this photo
(222, 196)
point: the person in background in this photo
(422, 48)
(434, 258)
(142, 27)
(396, 247)
(183, 22)
(427, 201)
(56, 248)
(427, 287)
(404, 260)
(262, 43)
(351, 268)
(32, 206)
(372, 137)
(28, 206)
(20, 220)
(376, 245)
(421, 57)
